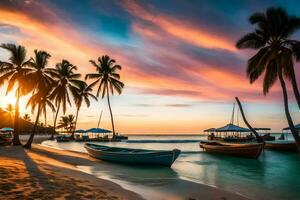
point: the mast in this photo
(99, 119)
(232, 115)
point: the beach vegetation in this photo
(275, 56)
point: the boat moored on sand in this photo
(132, 156)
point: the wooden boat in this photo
(282, 145)
(132, 156)
(250, 150)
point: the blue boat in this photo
(132, 156)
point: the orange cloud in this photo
(65, 41)
(180, 28)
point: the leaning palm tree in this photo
(82, 94)
(40, 100)
(276, 53)
(66, 80)
(40, 76)
(14, 72)
(108, 79)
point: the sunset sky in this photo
(180, 66)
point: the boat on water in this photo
(132, 156)
(266, 136)
(281, 145)
(250, 150)
(230, 133)
(95, 135)
(63, 138)
(121, 137)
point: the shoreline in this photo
(69, 164)
(51, 174)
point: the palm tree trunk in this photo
(45, 116)
(295, 87)
(16, 139)
(73, 131)
(111, 115)
(30, 140)
(258, 138)
(287, 112)
(55, 119)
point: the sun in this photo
(10, 98)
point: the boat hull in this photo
(133, 156)
(239, 150)
(281, 146)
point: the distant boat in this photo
(132, 156)
(121, 137)
(281, 145)
(250, 150)
(63, 138)
(266, 136)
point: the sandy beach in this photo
(43, 173)
(47, 173)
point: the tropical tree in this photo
(40, 100)
(276, 53)
(14, 72)
(67, 122)
(82, 94)
(40, 77)
(108, 79)
(27, 118)
(66, 80)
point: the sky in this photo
(180, 66)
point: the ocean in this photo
(274, 176)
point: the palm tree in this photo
(66, 80)
(275, 55)
(82, 93)
(27, 118)
(67, 122)
(63, 122)
(40, 76)
(14, 72)
(40, 100)
(108, 79)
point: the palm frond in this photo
(251, 40)
(257, 64)
(270, 76)
(92, 76)
(257, 17)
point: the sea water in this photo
(275, 175)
